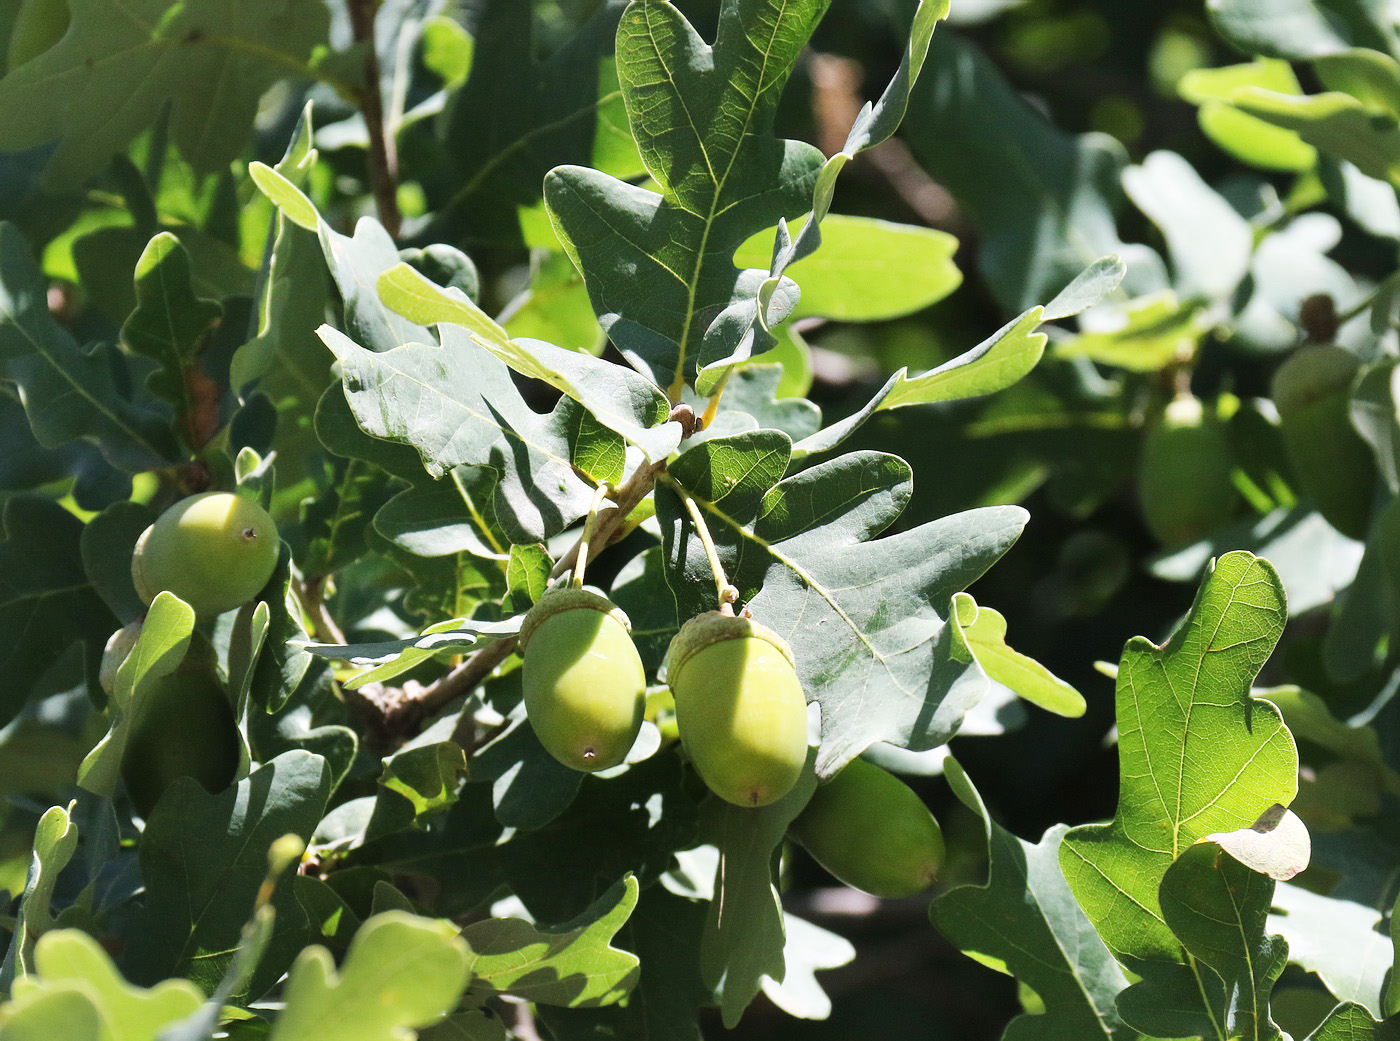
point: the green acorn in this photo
(740, 710)
(585, 685)
(215, 551)
(185, 728)
(872, 831)
(1333, 465)
(1184, 483)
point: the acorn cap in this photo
(566, 598)
(713, 627)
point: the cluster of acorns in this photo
(742, 719)
(740, 710)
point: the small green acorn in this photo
(185, 728)
(215, 551)
(740, 710)
(585, 685)
(872, 832)
(1333, 465)
(1185, 486)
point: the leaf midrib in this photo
(678, 380)
(10, 318)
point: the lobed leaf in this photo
(1199, 754)
(204, 858)
(67, 392)
(1217, 907)
(209, 63)
(866, 617)
(744, 939)
(573, 965)
(68, 961)
(400, 972)
(1024, 921)
(657, 263)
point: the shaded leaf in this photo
(566, 108)
(1338, 939)
(457, 516)
(1042, 215)
(204, 858)
(664, 932)
(529, 787)
(1024, 921)
(1315, 561)
(68, 392)
(107, 543)
(208, 63)
(46, 600)
(744, 937)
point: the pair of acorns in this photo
(739, 706)
(742, 719)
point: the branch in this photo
(383, 153)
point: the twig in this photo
(310, 592)
(383, 153)
(404, 712)
(725, 594)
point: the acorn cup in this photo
(215, 551)
(1333, 465)
(585, 685)
(740, 710)
(871, 831)
(1185, 486)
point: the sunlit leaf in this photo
(1199, 754)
